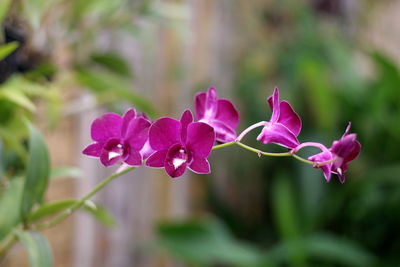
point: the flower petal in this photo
(211, 103)
(134, 158)
(200, 166)
(126, 119)
(186, 118)
(289, 118)
(322, 157)
(344, 147)
(279, 134)
(93, 150)
(176, 161)
(223, 133)
(273, 102)
(200, 105)
(106, 127)
(137, 133)
(157, 159)
(146, 150)
(200, 139)
(164, 133)
(227, 113)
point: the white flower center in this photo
(177, 162)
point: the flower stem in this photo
(223, 145)
(62, 216)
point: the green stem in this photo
(62, 216)
(262, 153)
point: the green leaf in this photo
(4, 6)
(8, 48)
(10, 198)
(37, 173)
(113, 62)
(17, 97)
(206, 242)
(66, 172)
(38, 248)
(53, 208)
(324, 247)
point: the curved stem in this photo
(62, 216)
(223, 145)
(263, 153)
(250, 128)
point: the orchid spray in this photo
(176, 145)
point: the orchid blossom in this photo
(219, 113)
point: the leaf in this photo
(17, 97)
(10, 198)
(113, 62)
(66, 172)
(8, 48)
(53, 208)
(324, 247)
(38, 248)
(37, 173)
(5, 5)
(205, 242)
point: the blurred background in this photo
(335, 61)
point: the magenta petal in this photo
(227, 113)
(273, 102)
(137, 133)
(126, 119)
(146, 150)
(134, 159)
(279, 134)
(200, 166)
(176, 160)
(354, 152)
(223, 133)
(93, 150)
(157, 159)
(289, 118)
(186, 118)
(211, 103)
(322, 157)
(200, 139)
(106, 127)
(200, 105)
(164, 133)
(344, 147)
(106, 160)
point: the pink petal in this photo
(200, 166)
(289, 118)
(223, 133)
(200, 105)
(106, 127)
(174, 154)
(93, 150)
(146, 150)
(322, 157)
(279, 134)
(227, 113)
(354, 152)
(106, 160)
(344, 147)
(164, 133)
(157, 159)
(126, 119)
(273, 102)
(200, 139)
(134, 159)
(211, 103)
(186, 118)
(137, 133)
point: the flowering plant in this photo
(179, 144)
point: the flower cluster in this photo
(176, 145)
